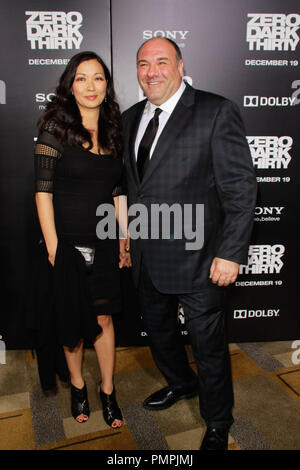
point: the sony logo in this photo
(174, 35)
(42, 97)
(268, 210)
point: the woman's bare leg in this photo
(104, 346)
(74, 362)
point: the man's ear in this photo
(181, 67)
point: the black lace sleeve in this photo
(120, 189)
(46, 153)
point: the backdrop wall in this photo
(247, 51)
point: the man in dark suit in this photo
(193, 154)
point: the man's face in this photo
(159, 73)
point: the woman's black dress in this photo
(80, 181)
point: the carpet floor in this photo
(266, 380)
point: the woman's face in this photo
(89, 86)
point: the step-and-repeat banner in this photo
(247, 51)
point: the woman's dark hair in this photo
(64, 111)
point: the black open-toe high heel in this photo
(79, 403)
(111, 410)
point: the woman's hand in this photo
(51, 259)
(125, 259)
(44, 204)
(52, 254)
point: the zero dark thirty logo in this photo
(273, 31)
(54, 29)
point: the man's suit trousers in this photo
(204, 313)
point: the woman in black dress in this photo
(78, 167)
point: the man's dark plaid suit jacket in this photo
(201, 157)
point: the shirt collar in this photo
(169, 105)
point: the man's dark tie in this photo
(143, 157)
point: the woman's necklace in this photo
(95, 142)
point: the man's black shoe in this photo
(215, 439)
(166, 397)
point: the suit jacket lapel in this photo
(135, 125)
(178, 119)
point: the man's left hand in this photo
(223, 272)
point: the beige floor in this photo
(266, 380)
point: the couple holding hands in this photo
(179, 145)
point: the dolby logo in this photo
(244, 314)
(254, 101)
